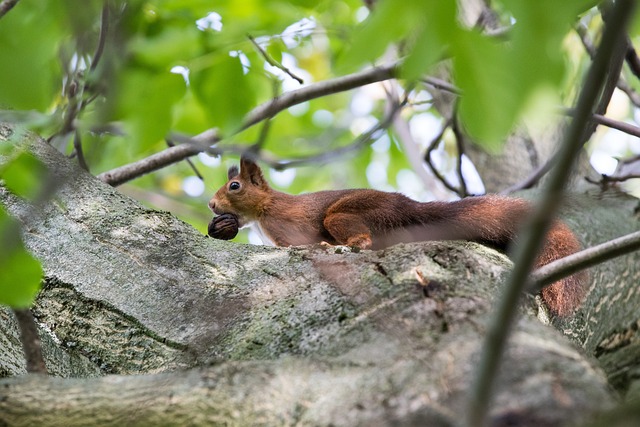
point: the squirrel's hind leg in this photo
(348, 230)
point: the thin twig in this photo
(193, 167)
(77, 146)
(6, 6)
(607, 179)
(102, 38)
(273, 62)
(30, 341)
(630, 160)
(264, 132)
(327, 156)
(460, 148)
(427, 158)
(442, 85)
(532, 236)
(532, 179)
(632, 58)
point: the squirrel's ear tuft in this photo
(252, 172)
(233, 172)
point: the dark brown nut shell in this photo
(223, 227)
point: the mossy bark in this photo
(196, 331)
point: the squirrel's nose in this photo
(212, 205)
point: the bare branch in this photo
(197, 144)
(609, 122)
(427, 158)
(460, 148)
(102, 39)
(357, 144)
(267, 110)
(6, 6)
(532, 179)
(632, 58)
(317, 90)
(584, 259)
(77, 146)
(442, 85)
(30, 341)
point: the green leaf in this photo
(389, 21)
(538, 56)
(24, 175)
(224, 92)
(167, 48)
(492, 94)
(432, 39)
(190, 116)
(30, 74)
(275, 49)
(20, 273)
(145, 102)
(500, 80)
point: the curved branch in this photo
(204, 140)
(317, 90)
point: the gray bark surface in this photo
(195, 331)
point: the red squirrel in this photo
(372, 219)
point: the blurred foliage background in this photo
(107, 82)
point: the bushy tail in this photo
(564, 296)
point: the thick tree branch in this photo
(592, 97)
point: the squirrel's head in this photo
(244, 194)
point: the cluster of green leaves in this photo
(20, 272)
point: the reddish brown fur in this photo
(374, 219)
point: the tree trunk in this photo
(196, 331)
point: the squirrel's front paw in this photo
(340, 249)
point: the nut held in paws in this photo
(223, 227)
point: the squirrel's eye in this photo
(235, 185)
